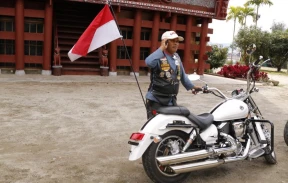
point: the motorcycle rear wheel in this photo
(156, 172)
(286, 133)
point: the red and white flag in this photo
(102, 30)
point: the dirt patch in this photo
(78, 132)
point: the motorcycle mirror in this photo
(260, 57)
(193, 77)
(251, 48)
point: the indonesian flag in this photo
(102, 30)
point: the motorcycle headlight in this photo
(235, 93)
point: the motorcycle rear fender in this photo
(157, 126)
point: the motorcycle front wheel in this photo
(270, 157)
(172, 143)
(286, 133)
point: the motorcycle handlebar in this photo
(207, 89)
(204, 89)
(198, 89)
(257, 61)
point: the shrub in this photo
(217, 57)
(240, 71)
(229, 62)
(261, 76)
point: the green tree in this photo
(279, 49)
(234, 13)
(257, 3)
(278, 26)
(245, 12)
(217, 57)
(253, 35)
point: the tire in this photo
(156, 172)
(269, 157)
(286, 133)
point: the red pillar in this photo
(218, 7)
(187, 44)
(19, 39)
(112, 54)
(173, 24)
(47, 37)
(113, 57)
(202, 52)
(155, 31)
(136, 41)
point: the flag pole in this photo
(110, 6)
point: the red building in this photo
(31, 30)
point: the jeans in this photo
(154, 106)
(150, 106)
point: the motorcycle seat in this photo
(203, 121)
(176, 110)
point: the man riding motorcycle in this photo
(166, 72)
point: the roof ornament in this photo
(108, 2)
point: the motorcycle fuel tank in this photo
(230, 109)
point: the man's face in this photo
(172, 46)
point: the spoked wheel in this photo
(286, 133)
(270, 157)
(172, 143)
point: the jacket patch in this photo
(164, 64)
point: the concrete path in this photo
(129, 79)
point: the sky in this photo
(223, 30)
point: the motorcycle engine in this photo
(239, 129)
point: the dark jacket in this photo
(165, 77)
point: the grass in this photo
(282, 73)
(273, 71)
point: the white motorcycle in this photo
(176, 141)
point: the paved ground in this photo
(75, 129)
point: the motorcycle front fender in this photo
(157, 127)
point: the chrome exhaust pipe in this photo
(196, 166)
(197, 155)
(210, 163)
(191, 156)
(184, 157)
(239, 158)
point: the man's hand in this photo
(196, 89)
(163, 44)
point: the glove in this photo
(196, 89)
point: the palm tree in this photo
(245, 12)
(234, 13)
(258, 3)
